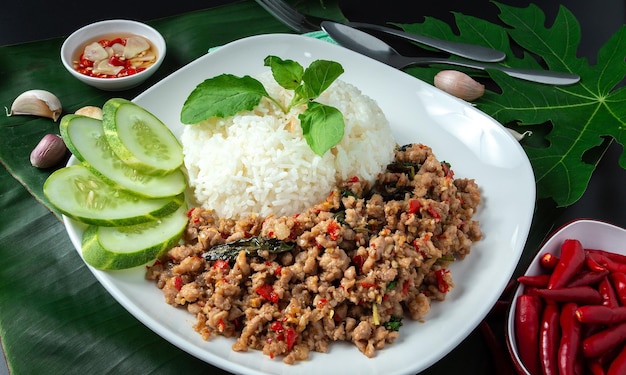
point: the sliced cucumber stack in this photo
(83, 196)
(140, 139)
(114, 248)
(84, 137)
(129, 187)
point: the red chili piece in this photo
(618, 280)
(606, 290)
(621, 258)
(595, 367)
(221, 264)
(333, 230)
(584, 295)
(603, 341)
(599, 314)
(570, 339)
(527, 317)
(587, 278)
(538, 281)
(608, 263)
(414, 206)
(267, 291)
(618, 365)
(591, 263)
(549, 339)
(549, 261)
(442, 285)
(571, 261)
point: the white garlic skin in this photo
(90, 111)
(48, 152)
(37, 103)
(459, 84)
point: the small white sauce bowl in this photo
(593, 234)
(78, 39)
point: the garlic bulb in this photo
(48, 152)
(38, 103)
(90, 111)
(459, 84)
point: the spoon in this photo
(469, 51)
(371, 46)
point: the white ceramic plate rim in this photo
(476, 146)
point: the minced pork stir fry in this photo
(347, 269)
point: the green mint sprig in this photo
(226, 95)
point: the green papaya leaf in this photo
(578, 117)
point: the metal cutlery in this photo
(371, 46)
(306, 23)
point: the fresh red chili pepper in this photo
(621, 258)
(549, 332)
(587, 278)
(618, 365)
(538, 281)
(570, 339)
(571, 260)
(595, 367)
(527, 316)
(549, 261)
(267, 291)
(603, 341)
(608, 263)
(618, 280)
(584, 295)
(599, 314)
(606, 290)
(592, 264)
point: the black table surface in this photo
(22, 22)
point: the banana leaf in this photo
(55, 318)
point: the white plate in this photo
(476, 146)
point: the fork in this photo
(306, 23)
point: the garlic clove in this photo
(38, 103)
(90, 111)
(95, 52)
(459, 84)
(135, 45)
(48, 152)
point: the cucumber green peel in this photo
(139, 138)
(84, 137)
(83, 196)
(115, 248)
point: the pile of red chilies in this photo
(572, 319)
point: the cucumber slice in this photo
(139, 138)
(84, 137)
(115, 248)
(83, 196)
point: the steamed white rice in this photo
(259, 162)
